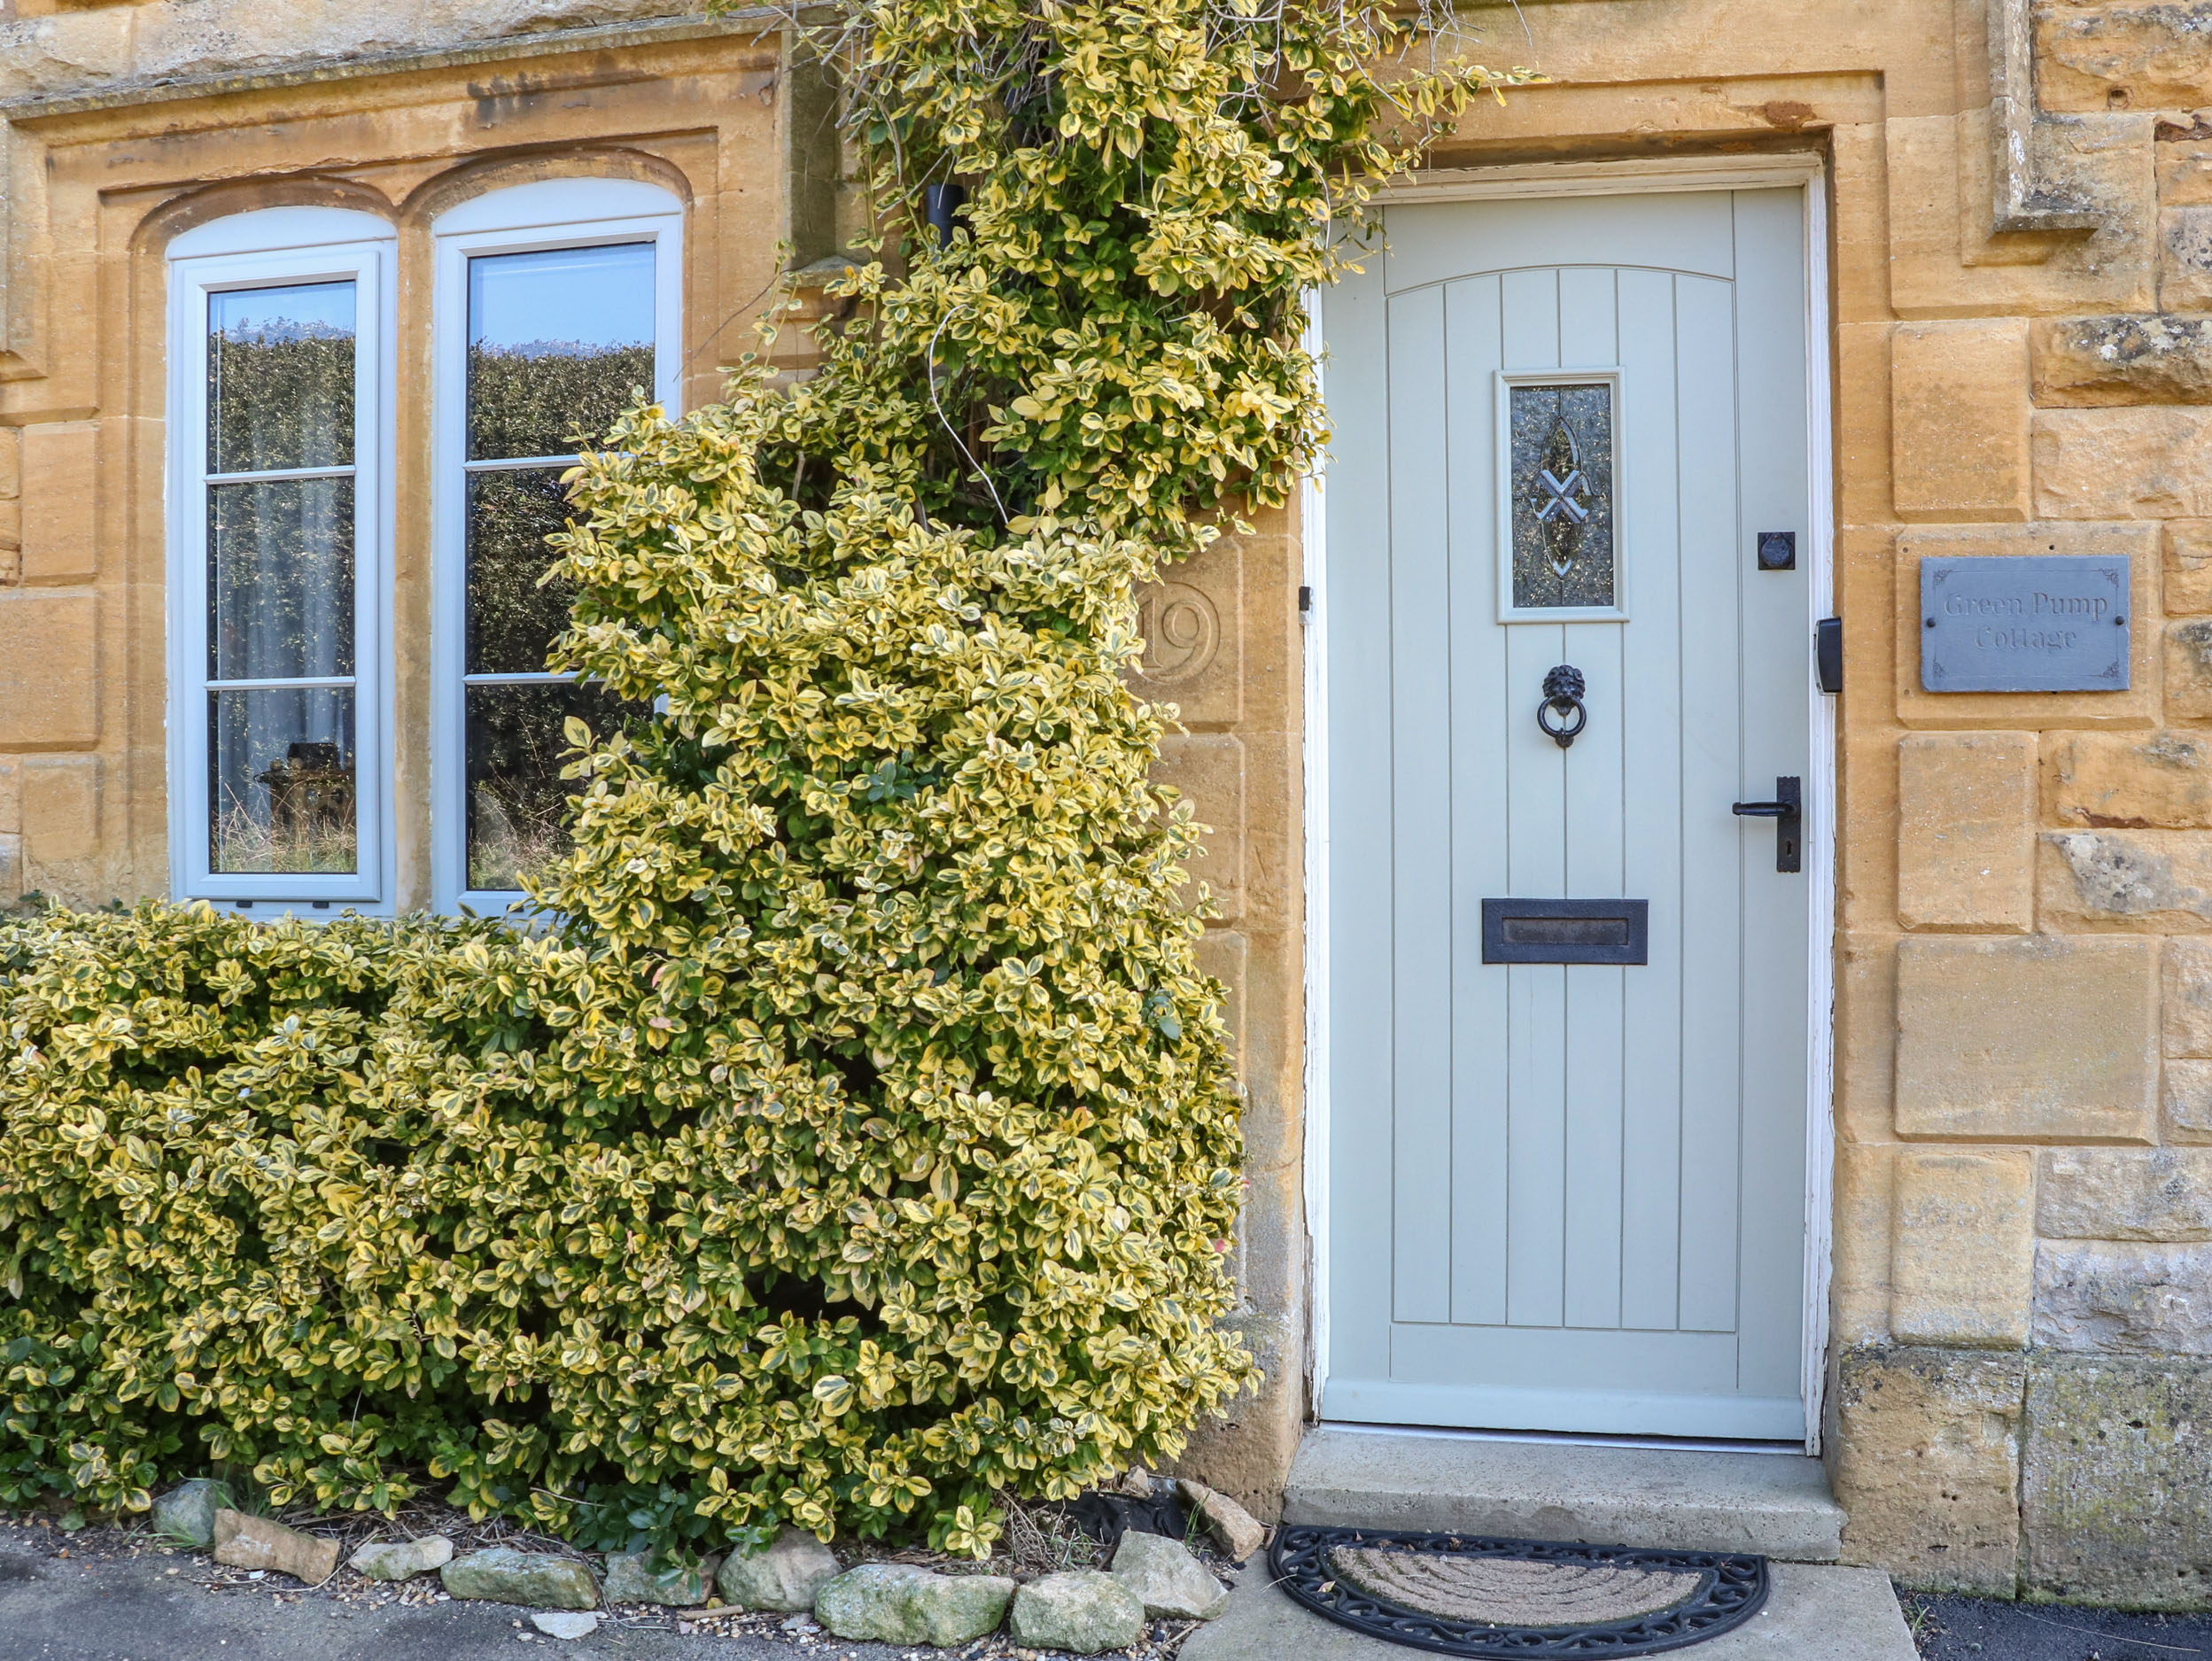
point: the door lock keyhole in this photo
(1787, 812)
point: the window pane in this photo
(557, 342)
(280, 378)
(279, 579)
(281, 786)
(1563, 495)
(512, 617)
(517, 800)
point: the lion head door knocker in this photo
(1561, 714)
(1566, 507)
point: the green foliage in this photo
(862, 1141)
(1114, 337)
(332, 1203)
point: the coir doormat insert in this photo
(1461, 1594)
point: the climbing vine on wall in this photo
(862, 1140)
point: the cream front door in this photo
(1567, 1006)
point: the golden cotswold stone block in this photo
(1192, 622)
(1966, 845)
(1927, 1465)
(1962, 1247)
(2188, 566)
(2185, 1101)
(2115, 1469)
(48, 670)
(2123, 360)
(2147, 463)
(60, 496)
(2041, 1037)
(2184, 256)
(1959, 419)
(1209, 768)
(2146, 55)
(2126, 880)
(2125, 1194)
(2126, 781)
(2103, 1297)
(2189, 670)
(2185, 164)
(61, 824)
(2187, 998)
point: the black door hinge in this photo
(1828, 652)
(1305, 600)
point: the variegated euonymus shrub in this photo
(863, 1140)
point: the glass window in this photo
(1562, 481)
(276, 525)
(279, 579)
(559, 341)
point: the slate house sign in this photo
(2033, 623)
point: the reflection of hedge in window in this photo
(513, 615)
(543, 396)
(280, 395)
(517, 800)
(280, 578)
(281, 583)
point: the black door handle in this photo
(1787, 814)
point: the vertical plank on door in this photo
(1777, 613)
(1652, 783)
(1480, 868)
(1358, 598)
(1420, 702)
(1715, 844)
(1535, 797)
(1592, 832)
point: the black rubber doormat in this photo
(1463, 1596)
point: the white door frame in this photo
(1800, 171)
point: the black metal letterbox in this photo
(1566, 931)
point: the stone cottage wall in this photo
(2033, 1419)
(2020, 1390)
(121, 123)
(2019, 206)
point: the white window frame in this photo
(268, 248)
(547, 213)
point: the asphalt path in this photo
(1977, 1629)
(139, 1606)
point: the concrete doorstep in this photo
(1815, 1613)
(1683, 1499)
(1688, 1499)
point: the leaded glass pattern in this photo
(1561, 496)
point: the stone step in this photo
(1816, 1614)
(1695, 1499)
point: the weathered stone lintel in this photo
(752, 21)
